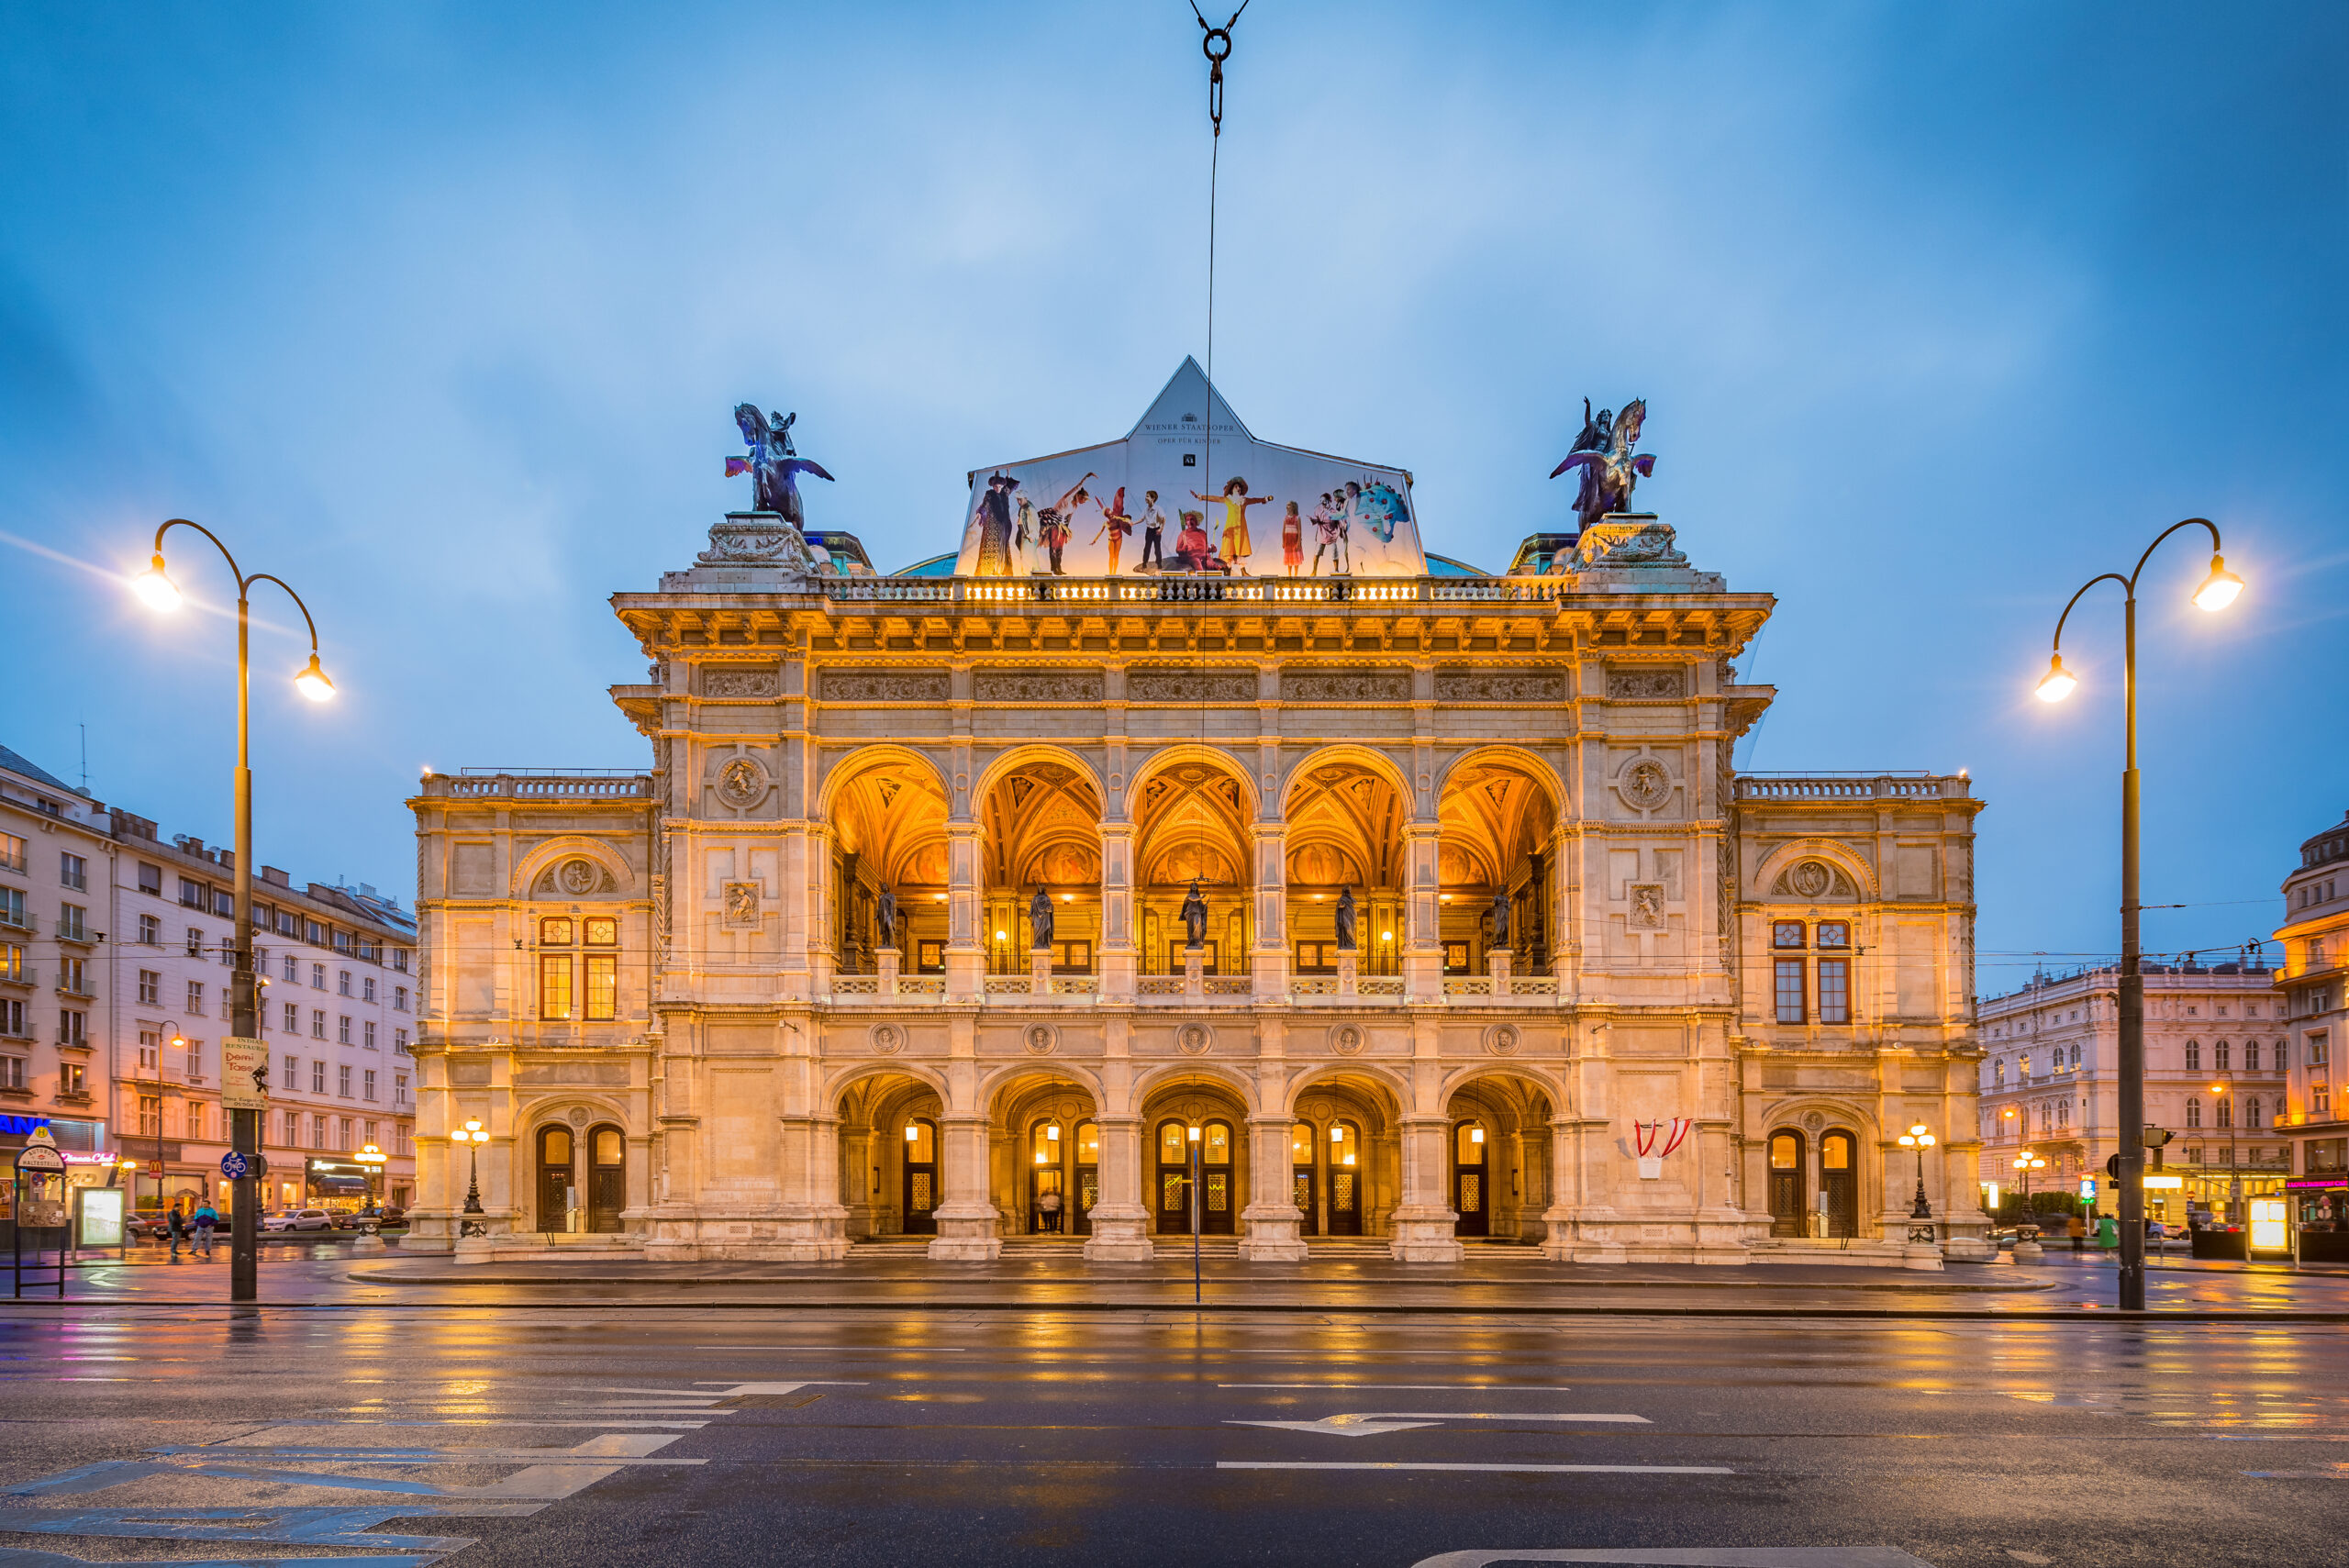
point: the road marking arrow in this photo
(1372, 1424)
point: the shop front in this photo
(342, 1186)
(82, 1142)
(2321, 1210)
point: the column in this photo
(1270, 1220)
(1118, 934)
(967, 953)
(1120, 1221)
(1420, 935)
(1269, 962)
(1421, 1224)
(967, 1220)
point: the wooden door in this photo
(1838, 1182)
(920, 1194)
(1301, 1145)
(1173, 1184)
(1470, 1189)
(554, 1177)
(1346, 1171)
(607, 1179)
(1088, 1178)
(1217, 1177)
(1789, 1214)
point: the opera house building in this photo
(1190, 847)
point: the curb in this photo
(387, 1277)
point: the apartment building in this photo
(2312, 991)
(2217, 1063)
(115, 960)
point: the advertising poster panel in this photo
(1166, 501)
(244, 1074)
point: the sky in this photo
(438, 311)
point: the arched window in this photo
(2220, 1055)
(2076, 1056)
(1999, 1071)
(2194, 1056)
(2251, 1056)
(2193, 1111)
(2226, 1112)
(2283, 1059)
(2251, 1111)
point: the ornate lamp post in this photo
(1918, 1139)
(472, 1135)
(2217, 592)
(372, 1158)
(2218, 1092)
(158, 590)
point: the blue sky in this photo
(438, 311)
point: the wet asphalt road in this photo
(633, 1432)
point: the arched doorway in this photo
(1063, 1177)
(918, 1200)
(1789, 1211)
(1471, 1184)
(607, 1178)
(1304, 1190)
(1348, 1172)
(555, 1180)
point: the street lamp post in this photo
(2218, 1092)
(2217, 592)
(472, 1135)
(1194, 1215)
(158, 590)
(372, 1158)
(1918, 1139)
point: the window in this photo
(555, 985)
(12, 852)
(367, 1091)
(2320, 1099)
(150, 1115)
(2194, 1056)
(2193, 1112)
(317, 1023)
(317, 977)
(72, 871)
(602, 932)
(555, 931)
(318, 1077)
(2283, 1057)
(2252, 1111)
(367, 1129)
(367, 988)
(1787, 934)
(1835, 933)
(316, 934)
(407, 1141)
(227, 955)
(342, 982)
(369, 1027)
(72, 976)
(70, 924)
(288, 926)
(2221, 1056)
(12, 1018)
(342, 1029)
(399, 1042)
(2251, 1056)
(293, 1018)
(290, 1079)
(399, 1088)
(192, 895)
(224, 902)
(400, 960)
(196, 996)
(342, 1082)
(318, 1132)
(196, 941)
(343, 1134)
(1790, 990)
(2317, 1054)
(293, 1127)
(151, 931)
(150, 988)
(150, 1049)
(1835, 988)
(73, 1028)
(12, 1071)
(399, 999)
(602, 985)
(2076, 1056)
(1999, 1071)
(2226, 1112)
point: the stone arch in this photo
(837, 1085)
(1004, 1086)
(1011, 759)
(1345, 753)
(1156, 1080)
(841, 769)
(1177, 752)
(531, 1114)
(1540, 769)
(1384, 1087)
(619, 879)
(1836, 854)
(1551, 1087)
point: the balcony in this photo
(80, 1042)
(16, 925)
(573, 785)
(77, 935)
(1831, 787)
(27, 977)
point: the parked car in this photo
(297, 1219)
(394, 1217)
(355, 1219)
(147, 1225)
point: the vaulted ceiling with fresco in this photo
(1493, 815)
(1345, 829)
(1042, 826)
(893, 814)
(1192, 822)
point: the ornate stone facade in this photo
(742, 1067)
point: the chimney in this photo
(272, 875)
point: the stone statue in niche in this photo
(1195, 919)
(1040, 919)
(884, 917)
(1346, 920)
(742, 902)
(1647, 907)
(1496, 919)
(579, 876)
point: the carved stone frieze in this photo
(1632, 541)
(1190, 685)
(1645, 681)
(741, 782)
(1036, 686)
(740, 681)
(756, 539)
(1816, 880)
(882, 686)
(1346, 685)
(1499, 686)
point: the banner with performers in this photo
(1188, 490)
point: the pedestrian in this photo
(2078, 1228)
(207, 1220)
(1050, 1204)
(177, 1223)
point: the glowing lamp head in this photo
(2218, 589)
(312, 682)
(913, 1133)
(156, 588)
(1476, 1135)
(179, 1042)
(2057, 683)
(1194, 1135)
